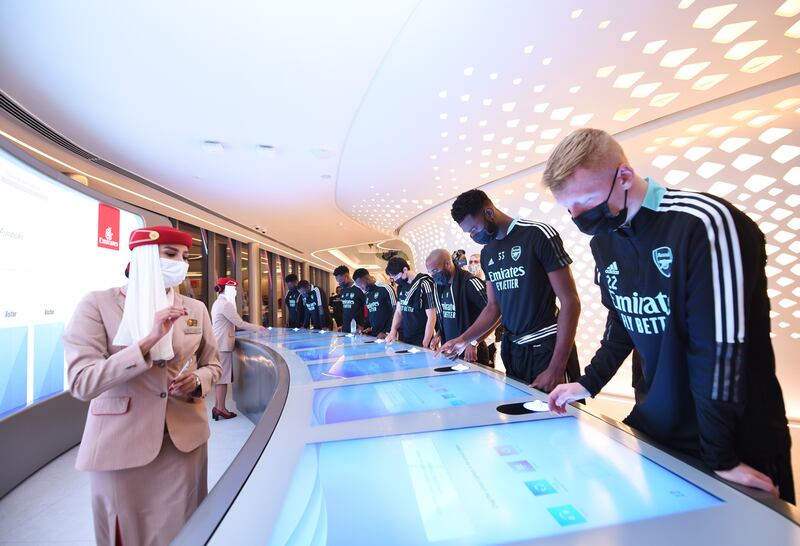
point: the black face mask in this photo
(343, 285)
(370, 288)
(598, 219)
(401, 282)
(487, 234)
(442, 278)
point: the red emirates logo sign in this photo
(108, 227)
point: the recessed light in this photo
(528, 49)
(576, 13)
(581, 119)
(729, 33)
(493, 76)
(689, 71)
(709, 17)
(469, 71)
(605, 71)
(213, 146)
(541, 107)
(743, 49)
(663, 99)
(756, 64)
(732, 144)
(653, 47)
(628, 36)
(790, 8)
(486, 102)
(624, 81)
(773, 135)
(509, 106)
(442, 94)
(677, 57)
(644, 90)
(625, 114)
(465, 98)
(512, 123)
(517, 81)
(603, 25)
(707, 82)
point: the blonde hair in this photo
(585, 148)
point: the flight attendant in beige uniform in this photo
(145, 356)
(226, 319)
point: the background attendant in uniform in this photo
(381, 303)
(416, 304)
(145, 356)
(353, 300)
(226, 319)
(460, 299)
(682, 276)
(295, 308)
(317, 315)
(527, 269)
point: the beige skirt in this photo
(226, 361)
(152, 502)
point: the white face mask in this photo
(173, 271)
(230, 293)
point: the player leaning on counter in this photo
(682, 276)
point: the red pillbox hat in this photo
(159, 235)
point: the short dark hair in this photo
(341, 270)
(291, 277)
(360, 272)
(469, 203)
(302, 284)
(396, 265)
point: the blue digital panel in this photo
(353, 402)
(343, 368)
(48, 360)
(13, 368)
(322, 341)
(475, 486)
(326, 353)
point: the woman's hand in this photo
(184, 384)
(162, 322)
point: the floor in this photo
(51, 508)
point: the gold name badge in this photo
(191, 322)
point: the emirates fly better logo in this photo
(107, 227)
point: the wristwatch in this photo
(196, 380)
(474, 342)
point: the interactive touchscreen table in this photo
(328, 353)
(354, 402)
(368, 446)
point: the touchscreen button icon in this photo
(566, 515)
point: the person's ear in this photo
(489, 213)
(626, 176)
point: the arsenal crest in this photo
(516, 252)
(662, 256)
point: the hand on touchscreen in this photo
(564, 394)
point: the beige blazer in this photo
(225, 320)
(129, 400)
